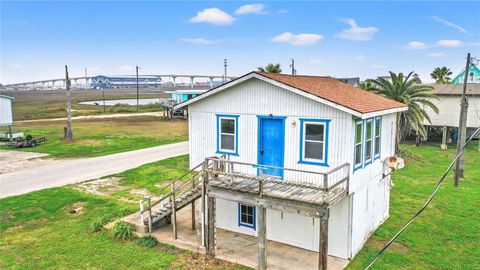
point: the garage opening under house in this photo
(294, 160)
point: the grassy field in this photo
(446, 235)
(96, 137)
(52, 103)
(39, 231)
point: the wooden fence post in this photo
(262, 238)
(323, 243)
(211, 227)
(174, 212)
(193, 206)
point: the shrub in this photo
(98, 223)
(147, 241)
(122, 230)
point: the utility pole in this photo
(86, 79)
(292, 66)
(462, 127)
(68, 131)
(225, 70)
(136, 67)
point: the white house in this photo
(300, 126)
(448, 104)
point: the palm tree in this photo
(417, 97)
(441, 75)
(271, 68)
(366, 85)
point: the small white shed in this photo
(6, 113)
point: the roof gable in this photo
(325, 90)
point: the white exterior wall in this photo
(449, 111)
(6, 117)
(255, 97)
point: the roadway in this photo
(64, 172)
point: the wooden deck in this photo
(275, 188)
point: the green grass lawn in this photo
(447, 234)
(52, 103)
(37, 230)
(97, 137)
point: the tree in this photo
(271, 68)
(415, 96)
(441, 75)
(366, 85)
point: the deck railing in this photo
(337, 177)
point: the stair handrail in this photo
(168, 185)
(177, 188)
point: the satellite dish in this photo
(394, 163)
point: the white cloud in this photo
(213, 16)
(416, 45)
(437, 54)
(360, 58)
(198, 41)
(17, 67)
(126, 68)
(450, 24)
(298, 40)
(378, 66)
(316, 61)
(282, 11)
(356, 32)
(251, 9)
(449, 43)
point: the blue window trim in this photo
(326, 122)
(251, 226)
(377, 156)
(232, 116)
(359, 166)
(259, 137)
(365, 143)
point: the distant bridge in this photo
(85, 81)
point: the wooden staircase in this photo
(182, 192)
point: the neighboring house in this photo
(305, 127)
(448, 104)
(473, 76)
(184, 95)
(355, 81)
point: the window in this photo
(246, 215)
(227, 130)
(358, 144)
(368, 141)
(377, 146)
(314, 141)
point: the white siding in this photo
(6, 117)
(350, 223)
(256, 97)
(449, 111)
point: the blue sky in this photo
(342, 39)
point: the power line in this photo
(439, 183)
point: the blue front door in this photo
(271, 144)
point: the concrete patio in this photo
(240, 248)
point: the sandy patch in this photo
(393, 248)
(102, 186)
(75, 209)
